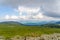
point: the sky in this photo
(29, 10)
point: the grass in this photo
(9, 30)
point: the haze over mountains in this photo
(32, 23)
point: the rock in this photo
(55, 36)
(32, 38)
(18, 38)
(2, 38)
(44, 37)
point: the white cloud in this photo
(23, 17)
(7, 17)
(39, 16)
(28, 10)
(28, 13)
(14, 17)
(32, 8)
(32, 13)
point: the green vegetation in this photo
(9, 30)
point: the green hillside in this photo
(12, 29)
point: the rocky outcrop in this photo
(55, 36)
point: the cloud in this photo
(52, 9)
(11, 17)
(14, 17)
(39, 16)
(16, 3)
(27, 13)
(34, 9)
(7, 17)
(32, 14)
(28, 10)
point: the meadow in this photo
(10, 30)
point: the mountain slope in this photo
(52, 24)
(40, 24)
(10, 24)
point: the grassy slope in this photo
(16, 29)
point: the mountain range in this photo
(43, 23)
